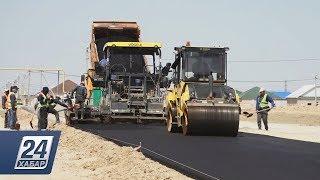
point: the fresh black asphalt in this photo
(246, 157)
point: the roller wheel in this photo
(212, 120)
(172, 128)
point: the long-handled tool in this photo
(247, 114)
(33, 114)
(264, 110)
(30, 122)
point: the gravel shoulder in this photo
(82, 155)
(299, 122)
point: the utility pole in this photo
(58, 82)
(41, 81)
(315, 89)
(87, 57)
(285, 86)
(29, 78)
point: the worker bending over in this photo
(262, 107)
(80, 96)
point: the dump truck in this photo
(127, 86)
(199, 101)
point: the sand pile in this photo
(82, 155)
(90, 156)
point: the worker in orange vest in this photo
(12, 107)
(5, 106)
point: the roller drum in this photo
(213, 120)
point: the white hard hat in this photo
(261, 90)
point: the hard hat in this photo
(5, 89)
(261, 90)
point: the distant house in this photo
(305, 93)
(68, 86)
(281, 94)
(252, 94)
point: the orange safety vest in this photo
(8, 102)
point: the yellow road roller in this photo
(198, 101)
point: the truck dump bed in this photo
(113, 31)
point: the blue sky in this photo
(55, 34)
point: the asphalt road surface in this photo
(246, 157)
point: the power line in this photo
(276, 60)
(270, 81)
(244, 81)
(70, 75)
(266, 60)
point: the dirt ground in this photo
(292, 114)
(82, 155)
(299, 122)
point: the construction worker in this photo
(166, 69)
(104, 65)
(80, 96)
(201, 68)
(43, 108)
(165, 72)
(262, 107)
(5, 106)
(12, 107)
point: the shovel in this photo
(33, 114)
(247, 114)
(30, 122)
(264, 110)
